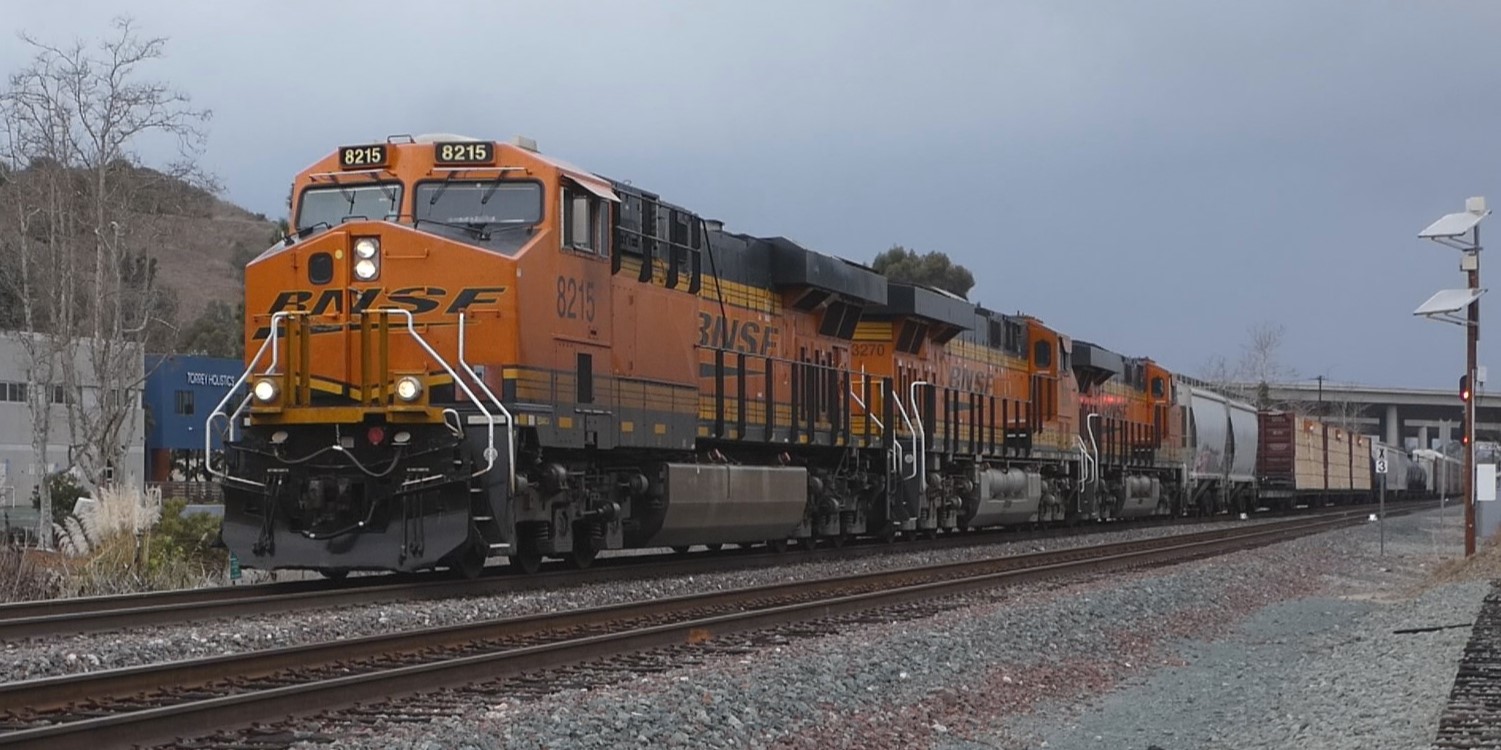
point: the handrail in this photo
(921, 436)
(490, 452)
(510, 421)
(1094, 444)
(1084, 461)
(208, 424)
(903, 411)
(859, 401)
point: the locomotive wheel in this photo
(583, 555)
(715, 547)
(469, 563)
(527, 561)
(777, 545)
(332, 574)
(682, 549)
(837, 541)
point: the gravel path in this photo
(81, 653)
(1172, 651)
(1325, 671)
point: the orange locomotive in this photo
(468, 349)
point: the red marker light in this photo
(376, 435)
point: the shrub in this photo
(186, 540)
(65, 493)
(127, 541)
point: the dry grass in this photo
(1484, 566)
(107, 549)
(25, 577)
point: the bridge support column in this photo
(1423, 438)
(1393, 426)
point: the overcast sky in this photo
(1156, 177)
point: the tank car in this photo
(1222, 449)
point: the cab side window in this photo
(584, 221)
(1042, 354)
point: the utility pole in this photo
(1470, 262)
(1461, 231)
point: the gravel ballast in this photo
(1284, 646)
(81, 653)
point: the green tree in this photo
(218, 332)
(933, 269)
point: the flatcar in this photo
(467, 349)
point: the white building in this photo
(19, 469)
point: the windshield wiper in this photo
(489, 191)
(475, 228)
(481, 230)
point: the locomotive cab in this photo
(370, 432)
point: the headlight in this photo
(366, 247)
(408, 388)
(364, 269)
(265, 390)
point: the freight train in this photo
(467, 349)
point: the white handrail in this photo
(510, 421)
(921, 436)
(1084, 461)
(903, 411)
(861, 402)
(1089, 427)
(490, 452)
(208, 424)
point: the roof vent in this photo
(714, 225)
(524, 142)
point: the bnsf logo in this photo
(417, 299)
(749, 336)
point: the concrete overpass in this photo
(1412, 417)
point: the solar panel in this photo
(1448, 301)
(1453, 225)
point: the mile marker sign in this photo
(1381, 465)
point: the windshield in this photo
(495, 213)
(337, 203)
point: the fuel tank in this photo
(716, 503)
(1002, 496)
(1138, 496)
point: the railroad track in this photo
(54, 617)
(166, 701)
(1472, 719)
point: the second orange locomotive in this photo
(468, 349)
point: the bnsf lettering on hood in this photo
(416, 299)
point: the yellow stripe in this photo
(873, 330)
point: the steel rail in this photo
(53, 617)
(758, 607)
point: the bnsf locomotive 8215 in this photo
(467, 349)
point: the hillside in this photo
(196, 239)
(196, 257)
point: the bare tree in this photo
(1259, 367)
(72, 118)
(36, 260)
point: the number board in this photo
(464, 152)
(362, 157)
